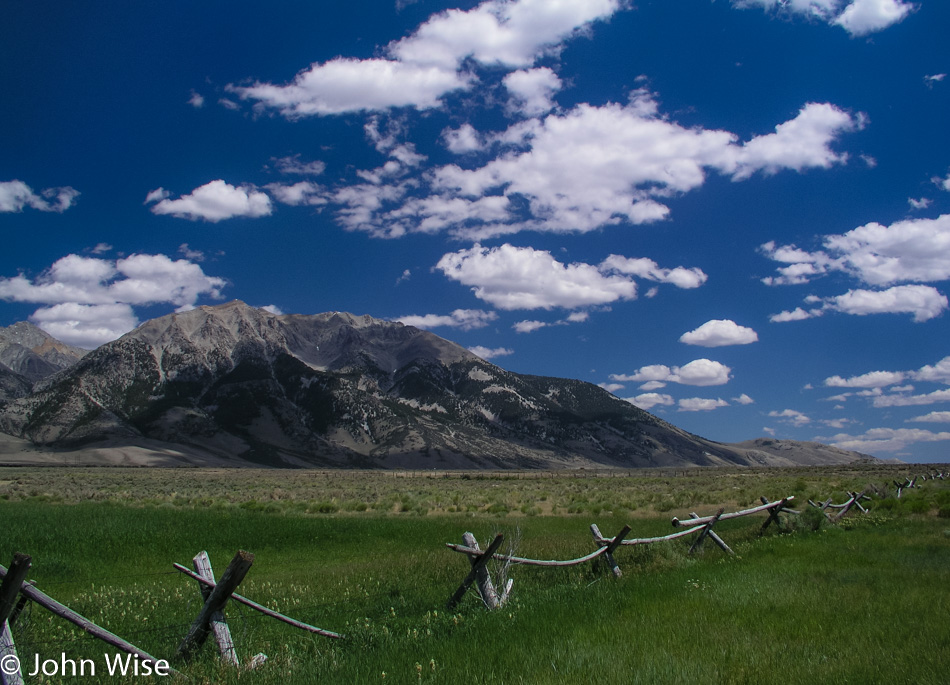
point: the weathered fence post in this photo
(611, 547)
(715, 538)
(774, 512)
(853, 501)
(707, 529)
(824, 505)
(233, 575)
(8, 598)
(219, 625)
(478, 565)
(486, 588)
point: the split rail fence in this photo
(702, 526)
(16, 591)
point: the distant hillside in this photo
(234, 384)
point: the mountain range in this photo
(236, 385)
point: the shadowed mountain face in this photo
(12, 384)
(338, 390)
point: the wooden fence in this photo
(606, 547)
(16, 591)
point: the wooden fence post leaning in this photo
(775, 511)
(486, 588)
(713, 536)
(611, 545)
(822, 506)
(219, 625)
(9, 591)
(707, 529)
(214, 604)
(478, 566)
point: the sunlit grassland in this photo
(637, 493)
(866, 602)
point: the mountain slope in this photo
(338, 390)
(12, 384)
(34, 354)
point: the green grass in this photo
(865, 602)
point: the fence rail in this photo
(702, 526)
(157, 666)
(15, 590)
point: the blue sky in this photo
(734, 214)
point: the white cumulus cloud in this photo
(648, 400)
(302, 193)
(797, 314)
(701, 404)
(699, 372)
(873, 379)
(862, 17)
(214, 201)
(932, 417)
(512, 277)
(86, 325)
(529, 326)
(532, 90)
(924, 302)
(912, 250)
(417, 71)
(642, 267)
(596, 166)
(857, 17)
(720, 333)
(936, 373)
(88, 301)
(463, 139)
(525, 278)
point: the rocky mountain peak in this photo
(33, 353)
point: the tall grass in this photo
(862, 603)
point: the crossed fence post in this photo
(611, 545)
(8, 604)
(854, 500)
(211, 618)
(478, 571)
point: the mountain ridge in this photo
(33, 354)
(339, 390)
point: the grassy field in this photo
(363, 554)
